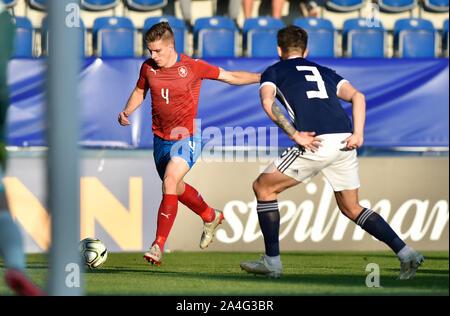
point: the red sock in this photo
(192, 199)
(166, 216)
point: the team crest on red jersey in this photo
(182, 71)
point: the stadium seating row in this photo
(388, 5)
(335, 5)
(99, 5)
(218, 36)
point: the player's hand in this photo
(354, 141)
(123, 118)
(3, 155)
(307, 140)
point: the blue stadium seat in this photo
(114, 37)
(260, 36)
(344, 5)
(37, 4)
(215, 37)
(178, 26)
(10, 3)
(435, 5)
(146, 5)
(414, 38)
(361, 40)
(394, 6)
(98, 5)
(445, 38)
(321, 36)
(24, 40)
(45, 37)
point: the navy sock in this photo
(269, 221)
(375, 225)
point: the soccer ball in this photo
(93, 252)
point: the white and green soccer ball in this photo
(93, 252)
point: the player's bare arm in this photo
(238, 77)
(305, 139)
(135, 100)
(281, 120)
(348, 93)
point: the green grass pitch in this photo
(218, 273)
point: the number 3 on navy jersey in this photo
(322, 92)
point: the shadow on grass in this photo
(29, 267)
(329, 275)
(310, 282)
(190, 279)
(424, 271)
(381, 254)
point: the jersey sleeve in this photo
(142, 81)
(337, 79)
(205, 70)
(269, 78)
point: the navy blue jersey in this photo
(309, 93)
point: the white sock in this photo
(273, 260)
(11, 247)
(404, 254)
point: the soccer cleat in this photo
(154, 256)
(263, 267)
(20, 284)
(210, 228)
(409, 267)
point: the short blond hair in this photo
(161, 30)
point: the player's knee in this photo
(170, 184)
(257, 188)
(261, 192)
(351, 212)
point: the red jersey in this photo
(175, 92)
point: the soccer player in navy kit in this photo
(325, 142)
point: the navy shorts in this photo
(189, 149)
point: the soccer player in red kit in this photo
(174, 82)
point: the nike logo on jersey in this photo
(153, 70)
